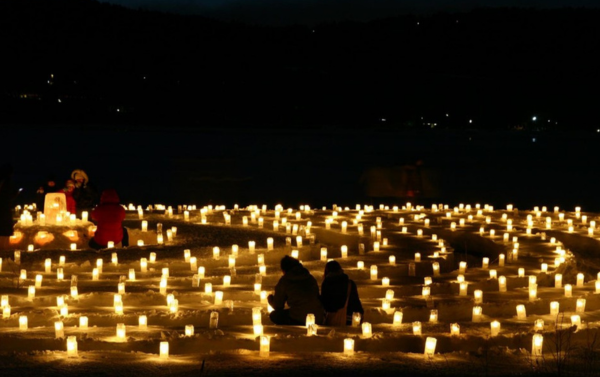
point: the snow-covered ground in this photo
(232, 347)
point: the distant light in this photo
(533, 140)
(534, 118)
(470, 120)
(118, 110)
(144, 77)
(383, 119)
(59, 101)
(418, 23)
(598, 130)
(447, 115)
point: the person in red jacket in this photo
(68, 190)
(109, 216)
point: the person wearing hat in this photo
(84, 193)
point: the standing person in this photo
(48, 187)
(339, 296)
(299, 289)
(68, 190)
(109, 216)
(85, 194)
(7, 196)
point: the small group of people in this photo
(299, 290)
(80, 194)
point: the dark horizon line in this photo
(315, 13)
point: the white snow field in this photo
(509, 316)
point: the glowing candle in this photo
(536, 345)
(426, 291)
(344, 251)
(433, 316)
(201, 272)
(521, 273)
(463, 289)
(417, 257)
(521, 312)
(356, 318)
(208, 288)
(554, 308)
(436, 268)
(95, 274)
(143, 265)
(131, 274)
(385, 282)
(597, 286)
(38, 281)
(48, 265)
(265, 346)
(416, 326)
(189, 330)
(580, 306)
(72, 346)
(143, 322)
(348, 347)
(397, 321)
(251, 246)
(74, 292)
(495, 328)
(392, 260)
(502, 284)
(544, 268)
(477, 312)
(460, 278)
(323, 254)
(493, 274)
(430, 344)
(532, 280)
(454, 329)
(164, 350)
(478, 296)
(83, 322)
(462, 267)
(501, 259)
(59, 274)
(373, 272)
(218, 297)
(6, 311)
(23, 322)
(580, 279)
(485, 263)
(23, 275)
(568, 290)
(360, 265)
(533, 292)
(31, 292)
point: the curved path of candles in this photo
(436, 281)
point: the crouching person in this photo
(109, 216)
(299, 290)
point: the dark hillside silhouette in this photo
(81, 61)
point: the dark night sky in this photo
(309, 11)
